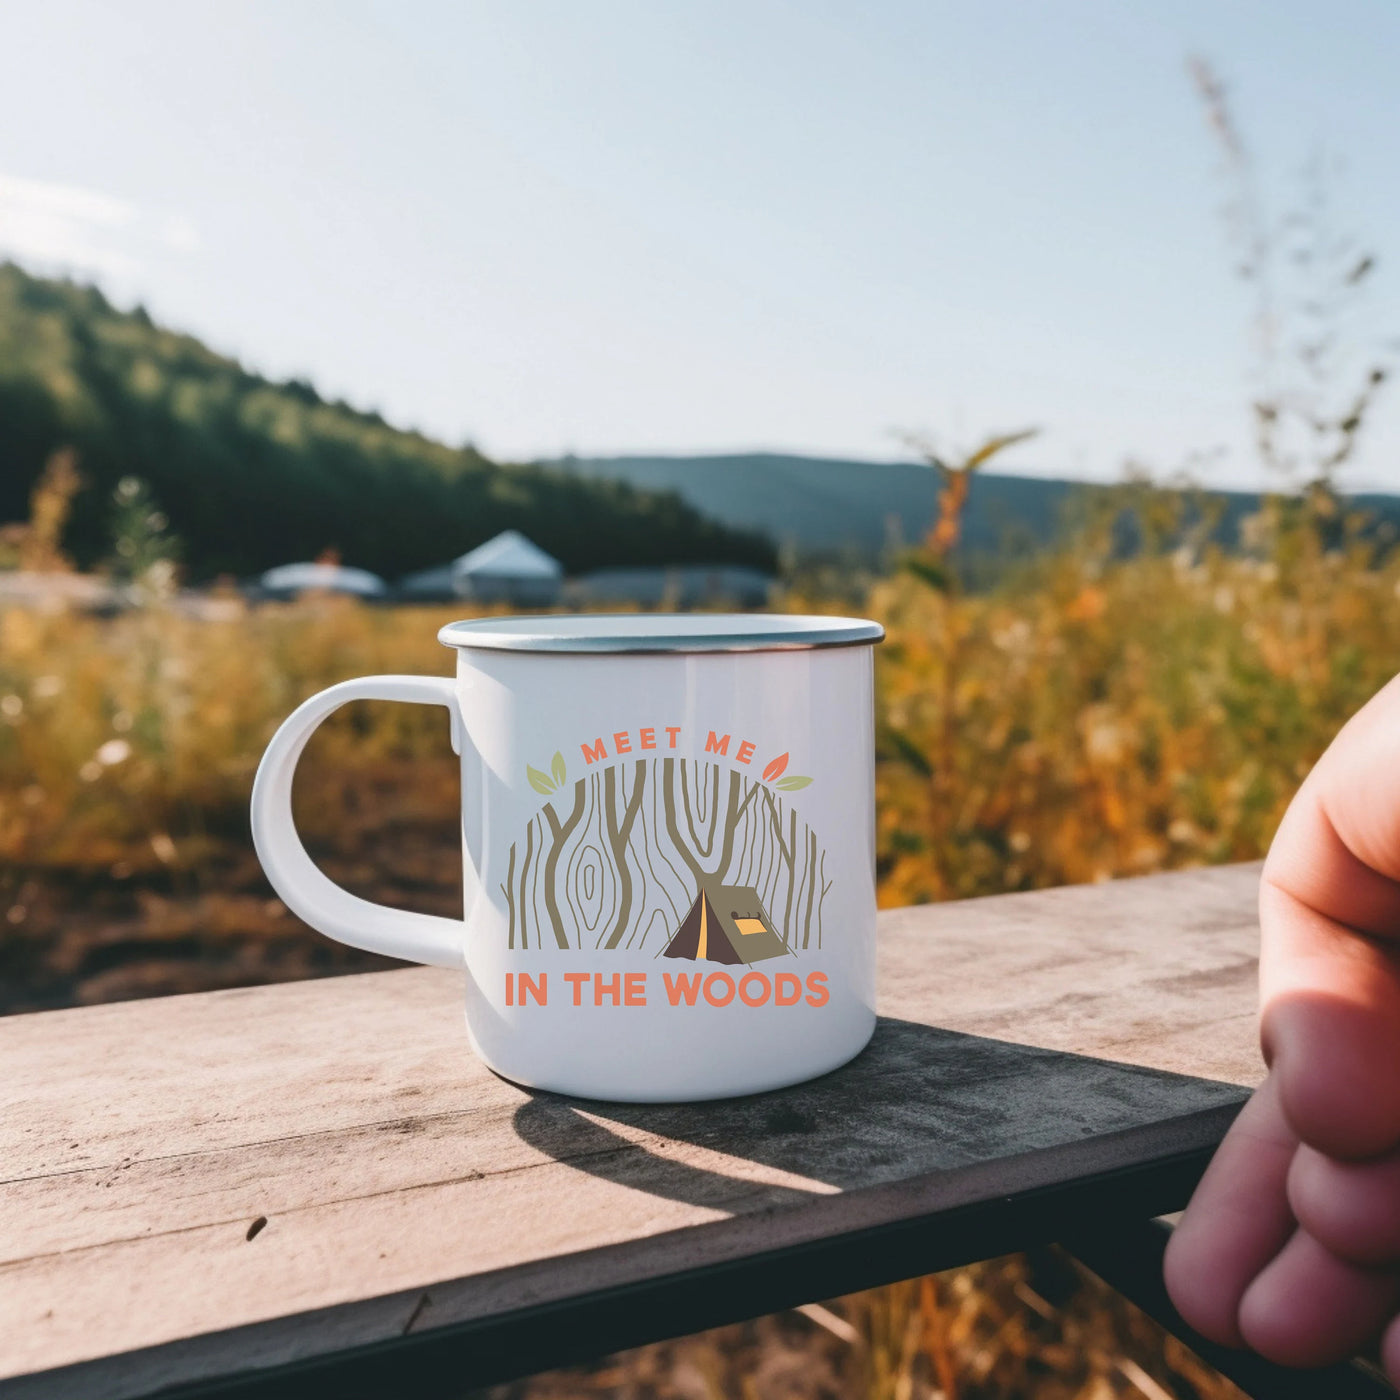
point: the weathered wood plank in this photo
(138, 1142)
(1158, 972)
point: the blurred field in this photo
(1101, 717)
(127, 752)
(1093, 716)
(1024, 1327)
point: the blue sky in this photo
(610, 226)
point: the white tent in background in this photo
(506, 569)
(509, 568)
(292, 580)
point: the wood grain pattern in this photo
(1026, 1040)
(1160, 971)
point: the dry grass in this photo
(133, 741)
(1011, 1329)
(1093, 718)
(127, 752)
(1101, 718)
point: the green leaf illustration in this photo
(558, 769)
(791, 783)
(539, 781)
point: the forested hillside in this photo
(253, 473)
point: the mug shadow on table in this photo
(917, 1100)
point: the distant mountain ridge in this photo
(253, 473)
(827, 505)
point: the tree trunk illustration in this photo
(558, 836)
(626, 862)
(700, 848)
(524, 887)
(619, 838)
(734, 810)
(787, 853)
(811, 887)
(508, 889)
(825, 885)
(668, 786)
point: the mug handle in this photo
(423, 938)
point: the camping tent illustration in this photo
(726, 925)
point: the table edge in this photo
(997, 1216)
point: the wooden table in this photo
(314, 1188)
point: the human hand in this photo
(1291, 1243)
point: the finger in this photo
(1309, 1308)
(1330, 913)
(1237, 1221)
(1337, 849)
(1351, 1208)
(1331, 1028)
(1390, 1352)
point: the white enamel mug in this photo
(668, 842)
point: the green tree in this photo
(253, 473)
(144, 552)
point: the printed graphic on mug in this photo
(686, 858)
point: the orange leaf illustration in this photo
(775, 769)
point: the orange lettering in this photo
(622, 743)
(816, 989)
(683, 987)
(577, 979)
(672, 732)
(634, 989)
(510, 989)
(529, 987)
(745, 751)
(648, 738)
(724, 980)
(612, 988)
(758, 998)
(787, 990)
(592, 755)
(714, 745)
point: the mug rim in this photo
(659, 633)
